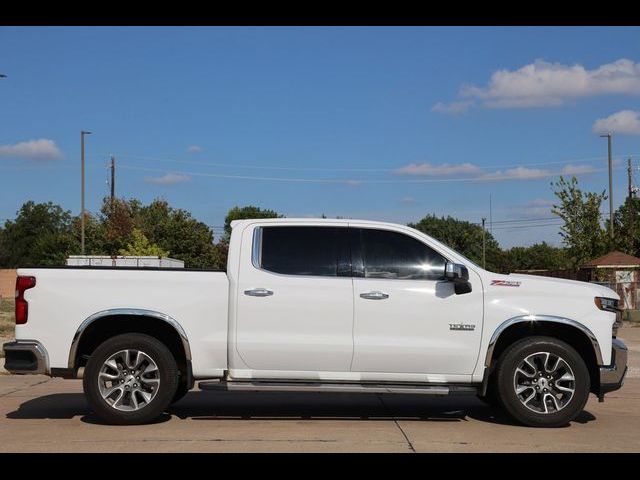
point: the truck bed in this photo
(196, 300)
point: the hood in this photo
(537, 280)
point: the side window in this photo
(319, 251)
(387, 254)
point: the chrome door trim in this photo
(127, 311)
(541, 318)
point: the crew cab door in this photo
(295, 300)
(405, 312)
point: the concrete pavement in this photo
(39, 414)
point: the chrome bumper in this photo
(612, 376)
(26, 357)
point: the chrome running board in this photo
(271, 386)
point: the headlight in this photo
(610, 305)
(607, 304)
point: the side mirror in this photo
(459, 275)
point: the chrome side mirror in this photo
(459, 275)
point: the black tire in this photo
(181, 391)
(515, 355)
(167, 373)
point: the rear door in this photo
(295, 300)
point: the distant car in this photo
(321, 305)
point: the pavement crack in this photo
(25, 387)
(404, 434)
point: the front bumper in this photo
(26, 357)
(612, 376)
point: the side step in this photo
(248, 386)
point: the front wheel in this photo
(130, 379)
(542, 382)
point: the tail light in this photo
(22, 307)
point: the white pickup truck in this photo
(326, 306)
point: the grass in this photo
(7, 322)
(631, 316)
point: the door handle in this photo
(374, 295)
(258, 292)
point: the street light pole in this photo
(484, 248)
(82, 134)
(608, 135)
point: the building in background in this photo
(618, 271)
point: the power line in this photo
(354, 182)
(338, 169)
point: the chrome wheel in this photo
(544, 382)
(129, 380)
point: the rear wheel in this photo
(130, 379)
(542, 382)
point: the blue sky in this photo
(375, 123)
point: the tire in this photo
(181, 391)
(515, 372)
(150, 379)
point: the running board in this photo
(245, 386)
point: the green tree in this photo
(176, 231)
(464, 237)
(248, 212)
(40, 235)
(540, 256)
(626, 221)
(140, 245)
(117, 221)
(582, 232)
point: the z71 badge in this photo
(505, 283)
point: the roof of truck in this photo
(235, 223)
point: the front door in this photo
(406, 315)
(295, 300)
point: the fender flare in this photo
(127, 311)
(541, 318)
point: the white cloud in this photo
(471, 172)
(194, 149)
(168, 179)
(453, 108)
(408, 200)
(578, 169)
(536, 208)
(545, 84)
(427, 169)
(41, 149)
(353, 183)
(518, 173)
(622, 122)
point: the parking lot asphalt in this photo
(41, 414)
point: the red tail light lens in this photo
(22, 307)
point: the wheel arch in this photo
(580, 337)
(99, 326)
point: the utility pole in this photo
(490, 216)
(608, 135)
(82, 134)
(113, 180)
(484, 250)
(630, 193)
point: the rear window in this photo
(319, 251)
